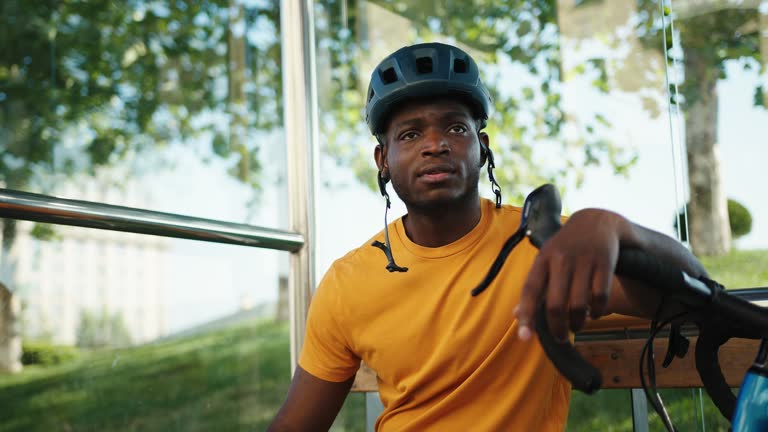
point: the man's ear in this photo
(484, 146)
(380, 156)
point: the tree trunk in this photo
(10, 338)
(282, 309)
(708, 226)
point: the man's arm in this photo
(574, 272)
(312, 403)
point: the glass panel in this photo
(634, 105)
(717, 76)
(123, 332)
(580, 100)
(717, 71)
(172, 107)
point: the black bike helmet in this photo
(425, 70)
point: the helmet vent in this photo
(371, 94)
(424, 65)
(459, 66)
(389, 76)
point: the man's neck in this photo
(437, 227)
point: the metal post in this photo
(296, 21)
(373, 407)
(639, 411)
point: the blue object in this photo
(752, 406)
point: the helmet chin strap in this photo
(494, 184)
(387, 248)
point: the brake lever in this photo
(543, 221)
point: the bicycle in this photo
(718, 315)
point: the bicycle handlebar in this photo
(541, 220)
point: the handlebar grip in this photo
(582, 375)
(638, 265)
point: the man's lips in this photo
(435, 173)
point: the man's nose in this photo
(436, 143)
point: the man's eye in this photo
(458, 129)
(408, 136)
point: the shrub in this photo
(738, 215)
(741, 219)
(46, 354)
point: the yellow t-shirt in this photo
(445, 360)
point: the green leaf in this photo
(220, 145)
(44, 232)
(759, 97)
(528, 93)
(100, 149)
(602, 120)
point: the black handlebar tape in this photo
(638, 265)
(744, 320)
(708, 366)
(582, 375)
(753, 318)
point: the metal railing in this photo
(48, 209)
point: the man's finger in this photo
(601, 288)
(581, 292)
(534, 285)
(557, 296)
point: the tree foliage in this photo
(522, 35)
(712, 33)
(125, 77)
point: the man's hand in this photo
(573, 272)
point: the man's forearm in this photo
(664, 247)
(637, 298)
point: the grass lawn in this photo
(739, 269)
(233, 379)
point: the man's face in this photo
(432, 153)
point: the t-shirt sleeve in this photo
(326, 353)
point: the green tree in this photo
(130, 77)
